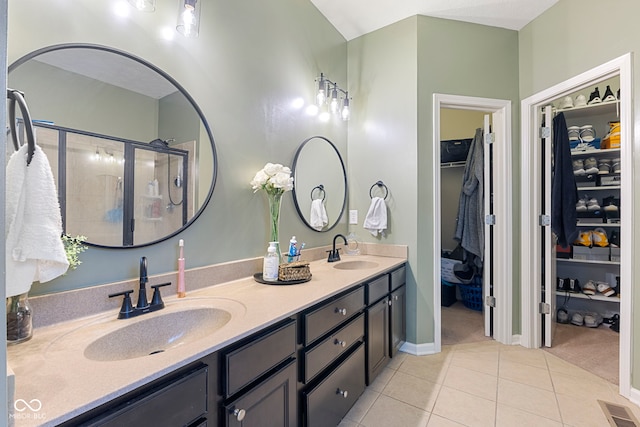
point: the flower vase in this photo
(19, 319)
(275, 200)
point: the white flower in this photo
(282, 180)
(273, 178)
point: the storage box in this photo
(563, 252)
(446, 269)
(608, 180)
(447, 293)
(586, 181)
(615, 254)
(595, 217)
(591, 254)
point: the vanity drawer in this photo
(260, 354)
(398, 277)
(377, 288)
(328, 350)
(329, 401)
(323, 319)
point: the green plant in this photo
(73, 246)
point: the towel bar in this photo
(17, 96)
(319, 188)
(381, 185)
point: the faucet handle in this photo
(156, 300)
(127, 308)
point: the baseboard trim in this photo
(419, 349)
(634, 396)
(515, 339)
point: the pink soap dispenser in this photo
(181, 287)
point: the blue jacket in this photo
(564, 193)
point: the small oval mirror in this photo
(131, 152)
(320, 183)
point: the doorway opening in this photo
(496, 298)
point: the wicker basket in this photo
(298, 270)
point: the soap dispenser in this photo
(353, 244)
(270, 264)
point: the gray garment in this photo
(470, 220)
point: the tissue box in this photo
(298, 270)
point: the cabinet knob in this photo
(340, 343)
(239, 414)
(389, 302)
(395, 297)
(342, 311)
(343, 393)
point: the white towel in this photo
(318, 217)
(376, 220)
(34, 248)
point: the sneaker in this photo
(590, 166)
(578, 168)
(608, 95)
(615, 323)
(562, 316)
(592, 320)
(589, 288)
(573, 285)
(604, 167)
(587, 134)
(583, 146)
(574, 133)
(614, 239)
(599, 238)
(577, 319)
(592, 205)
(605, 289)
(595, 97)
(566, 102)
(581, 101)
(584, 239)
(615, 165)
(581, 206)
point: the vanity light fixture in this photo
(329, 92)
(144, 5)
(189, 17)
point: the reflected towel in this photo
(318, 217)
(376, 220)
(34, 248)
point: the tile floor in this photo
(484, 384)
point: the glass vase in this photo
(275, 200)
(19, 319)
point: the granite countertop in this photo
(53, 375)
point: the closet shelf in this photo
(601, 108)
(587, 261)
(598, 152)
(597, 224)
(452, 165)
(592, 297)
(599, 188)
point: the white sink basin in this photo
(355, 265)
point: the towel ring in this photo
(381, 185)
(17, 96)
(319, 188)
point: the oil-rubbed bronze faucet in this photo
(334, 254)
(143, 306)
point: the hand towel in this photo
(318, 217)
(34, 248)
(376, 220)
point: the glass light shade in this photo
(189, 17)
(144, 5)
(334, 101)
(321, 97)
(346, 112)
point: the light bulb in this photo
(321, 97)
(188, 18)
(144, 5)
(346, 114)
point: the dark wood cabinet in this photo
(377, 355)
(397, 317)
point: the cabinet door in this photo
(377, 338)
(272, 403)
(398, 320)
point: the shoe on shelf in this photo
(592, 205)
(608, 95)
(589, 288)
(604, 167)
(573, 285)
(605, 289)
(583, 146)
(591, 166)
(594, 98)
(614, 239)
(574, 133)
(587, 134)
(566, 102)
(599, 238)
(581, 101)
(584, 239)
(577, 319)
(615, 165)
(562, 316)
(578, 168)
(581, 206)
(592, 320)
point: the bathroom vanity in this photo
(286, 355)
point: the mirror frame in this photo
(182, 90)
(344, 175)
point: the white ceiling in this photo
(353, 18)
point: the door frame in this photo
(502, 207)
(530, 163)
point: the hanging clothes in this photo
(564, 193)
(470, 221)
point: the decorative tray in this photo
(258, 278)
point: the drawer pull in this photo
(342, 311)
(239, 414)
(389, 302)
(340, 343)
(343, 393)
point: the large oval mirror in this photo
(319, 184)
(131, 152)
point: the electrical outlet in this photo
(353, 216)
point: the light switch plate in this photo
(353, 216)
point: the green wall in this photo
(250, 61)
(551, 51)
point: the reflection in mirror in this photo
(132, 154)
(320, 176)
